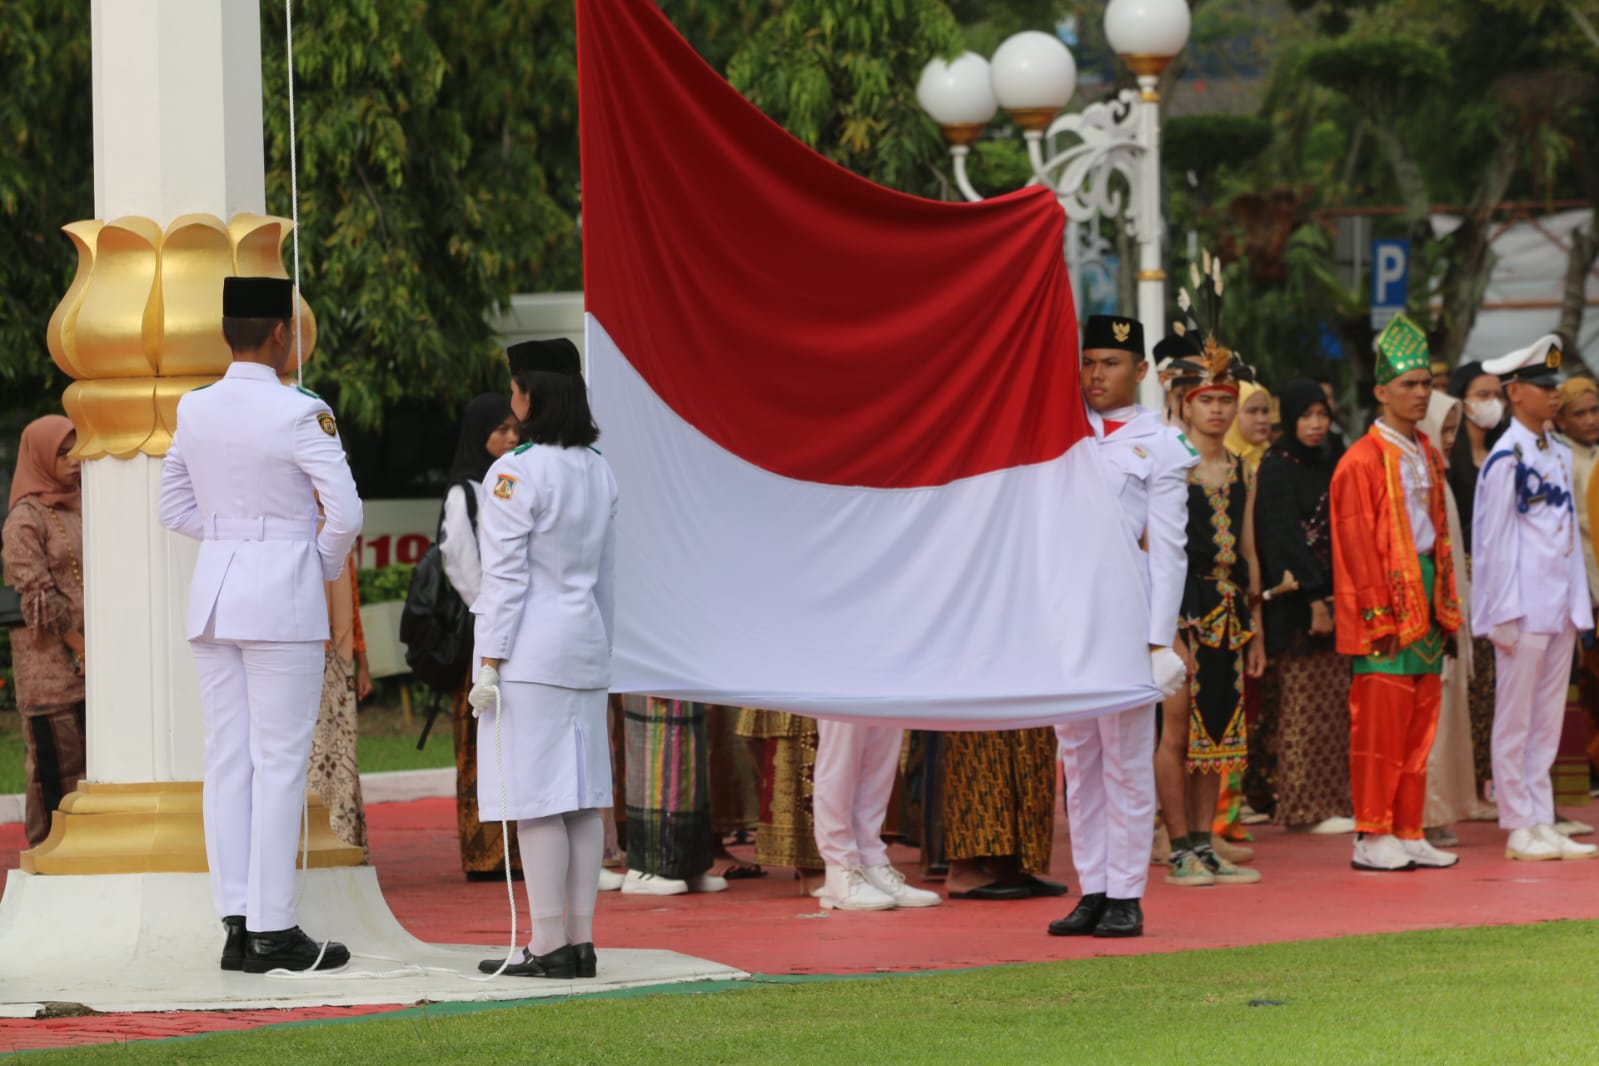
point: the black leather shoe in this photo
(1038, 886)
(1122, 917)
(560, 964)
(585, 962)
(291, 949)
(1083, 919)
(233, 947)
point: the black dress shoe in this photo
(585, 962)
(233, 947)
(994, 890)
(560, 964)
(1083, 919)
(290, 949)
(1038, 886)
(1122, 917)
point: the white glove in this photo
(1505, 636)
(485, 695)
(1169, 669)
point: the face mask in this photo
(1485, 414)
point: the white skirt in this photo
(553, 745)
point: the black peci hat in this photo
(1178, 346)
(558, 356)
(1114, 333)
(257, 298)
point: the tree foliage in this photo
(46, 181)
(841, 76)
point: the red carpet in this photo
(1308, 892)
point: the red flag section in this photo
(810, 322)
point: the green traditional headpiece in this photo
(1401, 348)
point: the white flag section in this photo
(1012, 598)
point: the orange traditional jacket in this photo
(1377, 585)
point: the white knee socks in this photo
(561, 857)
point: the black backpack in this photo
(436, 626)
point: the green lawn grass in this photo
(375, 754)
(11, 779)
(1504, 995)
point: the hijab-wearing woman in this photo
(1291, 515)
(1484, 419)
(544, 624)
(1250, 434)
(488, 431)
(1451, 773)
(43, 556)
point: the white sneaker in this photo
(1382, 854)
(1565, 846)
(849, 890)
(890, 882)
(1528, 846)
(1423, 854)
(707, 883)
(1570, 827)
(1335, 826)
(610, 880)
(643, 884)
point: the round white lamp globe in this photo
(1153, 28)
(957, 92)
(1034, 76)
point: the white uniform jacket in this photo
(1149, 463)
(547, 540)
(246, 457)
(1527, 564)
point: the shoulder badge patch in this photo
(520, 448)
(1183, 438)
(504, 486)
(325, 420)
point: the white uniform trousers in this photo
(260, 700)
(854, 779)
(1529, 709)
(1110, 799)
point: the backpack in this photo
(435, 625)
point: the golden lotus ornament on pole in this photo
(141, 323)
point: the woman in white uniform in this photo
(547, 540)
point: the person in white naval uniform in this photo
(1529, 595)
(1109, 760)
(248, 462)
(544, 621)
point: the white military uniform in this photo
(248, 462)
(1109, 760)
(547, 539)
(1528, 568)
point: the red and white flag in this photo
(857, 479)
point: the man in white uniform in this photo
(1109, 760)
(248, 462)
(1529, 595)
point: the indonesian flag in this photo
(857, 478)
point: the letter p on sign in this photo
(1390, 270)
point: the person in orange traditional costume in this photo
(1395, 603)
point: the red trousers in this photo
(1392, 720)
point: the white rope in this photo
(294, 194)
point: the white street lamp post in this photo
(1032, 76)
